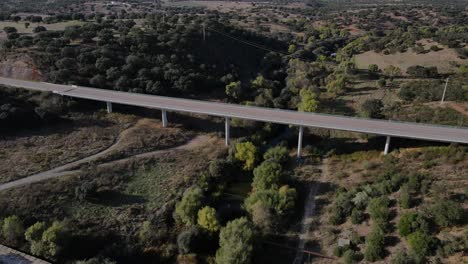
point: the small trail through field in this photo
(309, 211)
(68, 168)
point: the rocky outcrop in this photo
(20, 67)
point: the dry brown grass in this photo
(34, 151)
(441, 59)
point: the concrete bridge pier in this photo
(387, 145)
(299, 141)
(109, 107)
(164, 118)
(227, 132)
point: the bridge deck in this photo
(371, 126)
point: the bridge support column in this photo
(164, 118)
(387, 145)
(109, 107)
(299, 141)
(227, 132)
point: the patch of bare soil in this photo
(33, 151)
(20, 66)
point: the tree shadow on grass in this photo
(116, 199)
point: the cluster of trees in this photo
(19, 109)
(268, 206)
(432, 90)
(271, 201)
(49, 241)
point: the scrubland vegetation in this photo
(175, 195)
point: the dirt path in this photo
(67, 169)
(458, 108)
(309, 211)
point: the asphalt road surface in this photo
(371, 126)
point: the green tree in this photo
(277, 154)
(188, 207)
(188, 240)
(12, 228)
(374, 245)
(286, 200)
(236, 242)
(234, 90)
(267, 176)
(207, 219)
(55, 239)
(309, 102)
(247, 153)
(373, 68)
(337, 85)
(371, 108)
(34, 232)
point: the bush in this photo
(12, 229)
(446, 212)
(420, 243)
(187, 209)
(349, 256)
(187, 240)
(404, 200)
(357, 216)
(401, 257)
(379, 212)
(422, 72)
(374, 245)
(407, 224)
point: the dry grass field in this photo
(445, 60)
(34, 151)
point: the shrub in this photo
(446, 212)
(12, 228)
(357, 216)
(401, 257)
(407, 224)
(207, 219)
(187, 240)
(420, 243)
(188, 207)
(379, 212)
(404, 200)
(236, 242)
(349, 256)
(374, 245)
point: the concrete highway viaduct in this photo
(385, 128)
